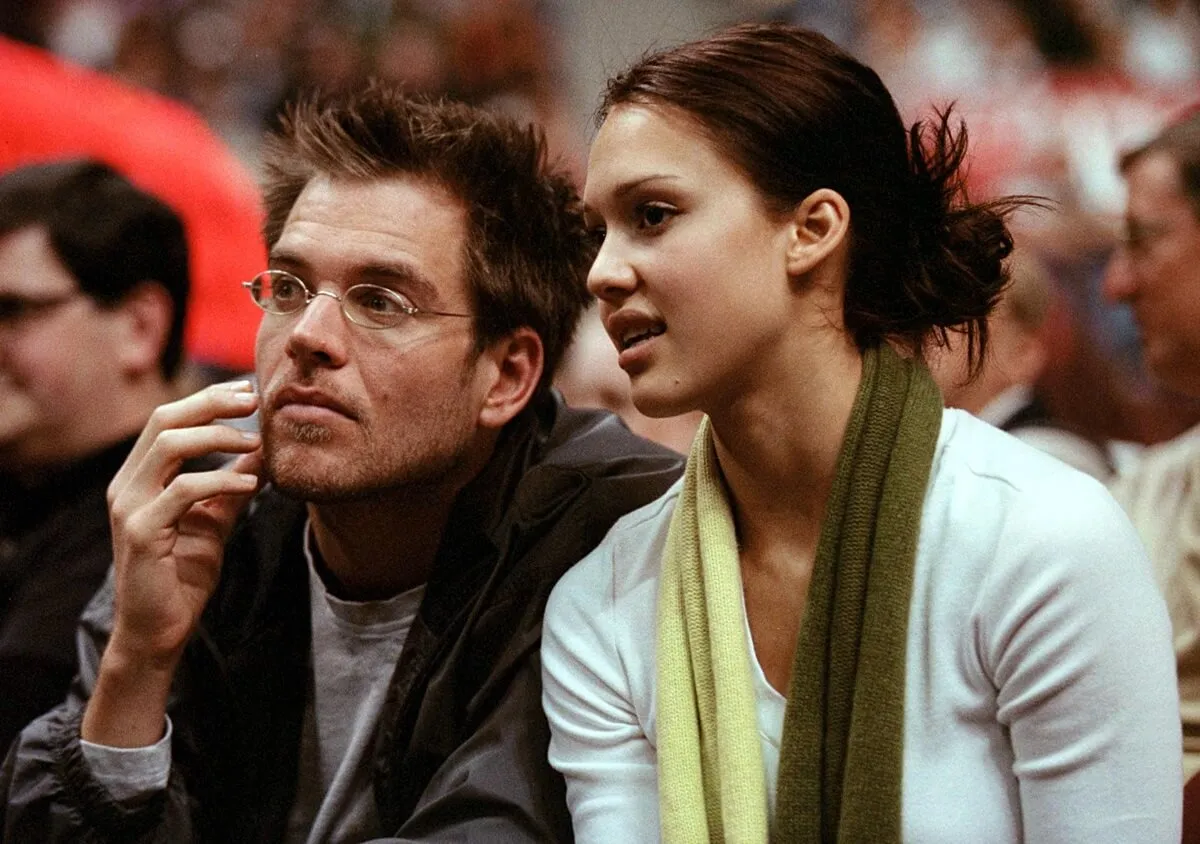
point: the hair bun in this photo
(959, 247)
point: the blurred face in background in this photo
(1157, 271)
(58, 356)
(1016, 356)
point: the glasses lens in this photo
(278, 292)
(376, 307)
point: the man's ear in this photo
(820, 225)
(517, 362)
(144, 315)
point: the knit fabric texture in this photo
(842, 749)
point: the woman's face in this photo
(691, 275)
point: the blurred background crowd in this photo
(1051, 90)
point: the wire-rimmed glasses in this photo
(369, 305)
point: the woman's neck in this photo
(778, 447)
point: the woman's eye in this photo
(596, 235)
(653, 214)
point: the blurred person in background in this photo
(1004, 391)
(591, 377)
(93, 290)
(1157, 272)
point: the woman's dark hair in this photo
(795, 114)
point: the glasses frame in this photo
(407, 307)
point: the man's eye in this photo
(378, 301)
(286, 290)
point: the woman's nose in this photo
(612, 275)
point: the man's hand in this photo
(169, 531)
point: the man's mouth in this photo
(302, 397)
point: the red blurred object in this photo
(52, 109)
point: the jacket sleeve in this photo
(497, 786)
(49, 792)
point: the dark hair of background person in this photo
(796, 114)
(110, 235)
(527, 250)
(1180, 141)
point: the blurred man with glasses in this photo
(351, 652)
(1157, 272)
(93, 288)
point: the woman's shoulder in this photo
(977, 458)
(626, 561)
(1003, 503)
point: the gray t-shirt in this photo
(355, 649)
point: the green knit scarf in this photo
(843, 734)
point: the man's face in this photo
(57, 361)
(347, 411)
(1157, 271)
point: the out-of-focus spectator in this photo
(93, 287)
(590, 377)
(1004, 390)
(236, 61)
(164, 148)
(412, 52)
(504, 55)
(1157, 271)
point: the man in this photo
(93, 288)
(1003, 391)
(355, 655)
(1157, 272)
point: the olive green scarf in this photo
(843, 734)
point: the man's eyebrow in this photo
(282, 256)
(399, 275)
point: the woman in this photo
(858, 617)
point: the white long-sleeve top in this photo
(1040, 695)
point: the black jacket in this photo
(55, 546)
(461, 754)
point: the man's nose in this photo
(319, 331)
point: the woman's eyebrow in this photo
(626, 188)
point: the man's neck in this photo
(381, 546)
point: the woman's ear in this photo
(516, 367)
(145, 316)
(820, 226)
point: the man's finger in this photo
(185, 491)
(218, 401)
